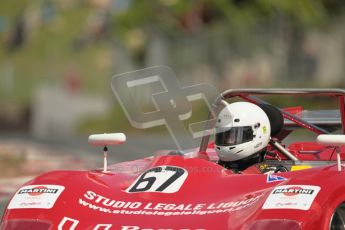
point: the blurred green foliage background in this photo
(79, 45)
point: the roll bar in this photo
(247, 94)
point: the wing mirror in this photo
(333, 140)
(106, 140)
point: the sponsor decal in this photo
(71, 224)
(103, 204)
(291, 197)
(131, 227)
(274, 178)
(36, 196)
(264, 129)
(293, 191)
(36, 191)
(258, 145)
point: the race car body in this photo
(299, 186)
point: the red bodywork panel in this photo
(210, 197)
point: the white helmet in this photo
(243, 129)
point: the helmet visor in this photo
(234, 136)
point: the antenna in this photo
(106, 140)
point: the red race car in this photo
(295, 186)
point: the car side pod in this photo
(106, 140)
(334, 141)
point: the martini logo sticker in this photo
(291, 197)
(36, 196)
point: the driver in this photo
(242, 135)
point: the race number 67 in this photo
(165, 179)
